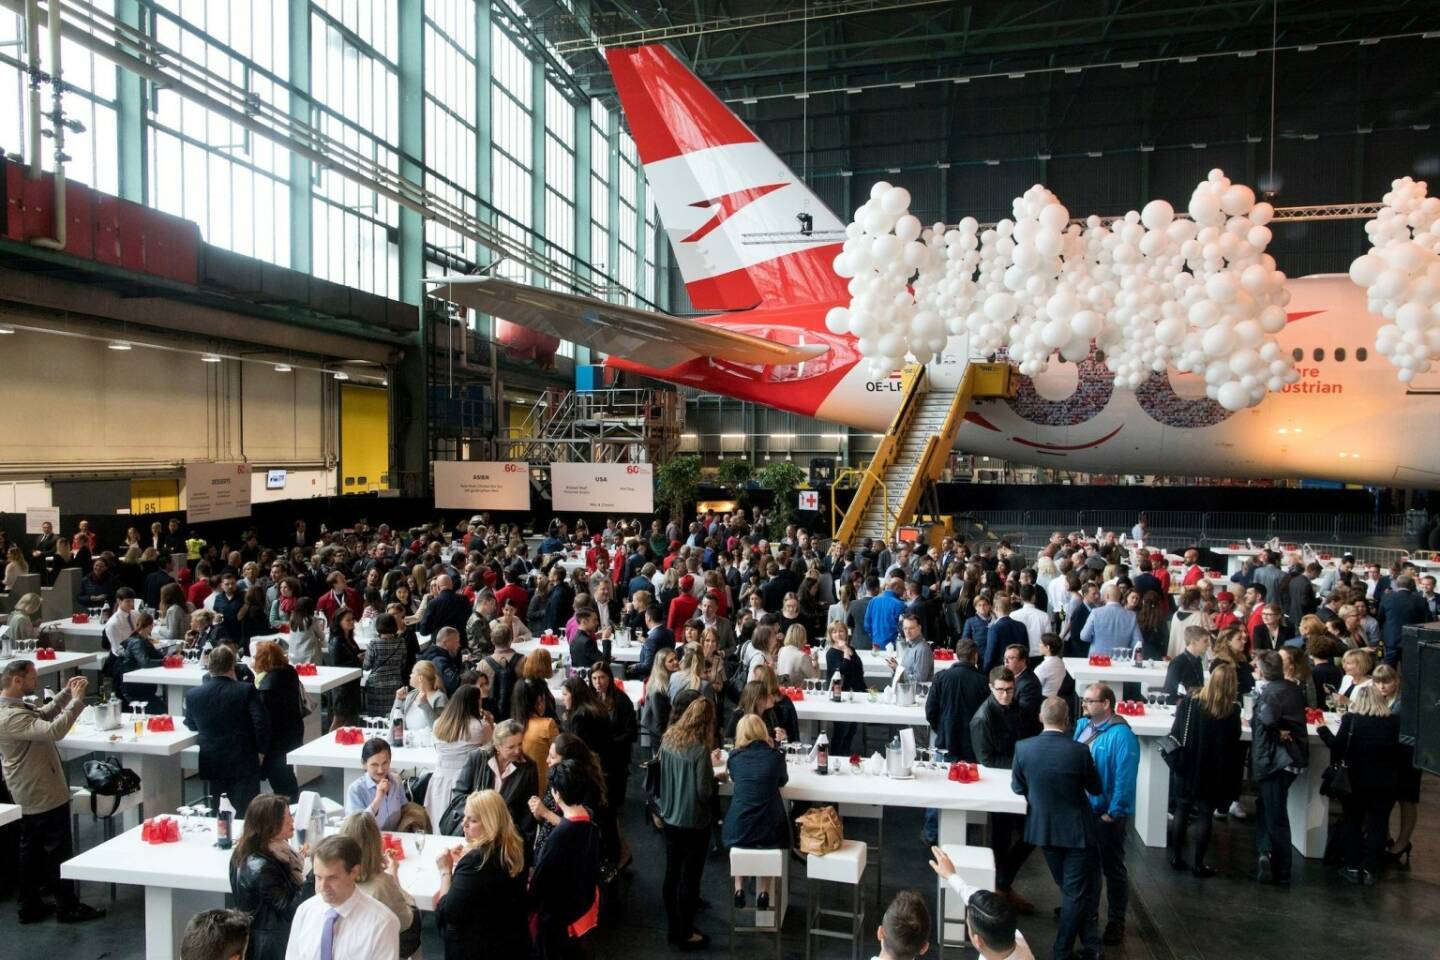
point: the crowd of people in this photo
(532, 769)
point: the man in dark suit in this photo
(1003, 632)
(44, 546)
(156, 580)
(1054, 773)
(1299, 598)
(445, 609)
(560, 601)
(658, 637)
(1400, 608)
(231, 720)
(995, 732)
(954, 697)
(1028, 692)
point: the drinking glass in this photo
(420, 839)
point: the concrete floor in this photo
(1172, 916)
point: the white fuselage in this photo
(1347, 419)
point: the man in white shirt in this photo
(342, 922)
(121, 625)
(1036, 621)
(989, 917)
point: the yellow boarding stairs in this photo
(913, 452)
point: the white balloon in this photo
(1233, 396)
(895, 201)
(837, 320)
(1157, 215)
(1219, 340)
(907, 228)
(878, 190)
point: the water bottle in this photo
(822, 755)
(224, 821)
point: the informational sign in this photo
(216, 491)
(275, 479)
(36, 516)
(627, 488)
(809, 499)
(482, 485)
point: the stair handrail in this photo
(913, 377)
(867, 476)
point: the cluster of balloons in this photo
(1401, 277)
(1148, 291)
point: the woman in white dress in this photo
(462, 729)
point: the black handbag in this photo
(1171, 749)
(106, 778)
(417, 786)
(1335, 779)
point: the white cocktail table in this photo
(182, 879)
(9, 813)
(1152, 674)
(64, 662)
(154, 756)
(176, 680)
(1309, 811)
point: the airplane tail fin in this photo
(745, 230)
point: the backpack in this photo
(504, 677)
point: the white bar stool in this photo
(875, 812)
(975, 866)
(847, 866)
(762, 863)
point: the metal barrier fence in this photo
(1205, 526)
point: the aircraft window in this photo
(1298, 354)
(1340, 354)
(1319, 354)
(1361, 354)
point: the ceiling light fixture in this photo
(5, 331)
(340, 375)
(852, 89)
(209, 358)
(907, 86)
(119, 345)
(283, 368)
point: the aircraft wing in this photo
(658, 340)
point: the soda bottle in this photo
(224, 822)
(397, 725)
(837, 687)
(822, 755)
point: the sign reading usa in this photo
(627, 488)
(481, 485)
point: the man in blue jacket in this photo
(1116, 752)
(1003, 631)
(882, 616)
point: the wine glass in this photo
(420, 839)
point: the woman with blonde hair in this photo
(379, 876)
(1368, 744)
(756, 818)
(691, 675)
(655, 706)
(424, 699)
(24, 619)
(793, 661)
(1358, 665)
(1208, 772)
(1387, 683)
(481, 905)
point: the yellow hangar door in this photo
(364, 439)
(154, 496)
